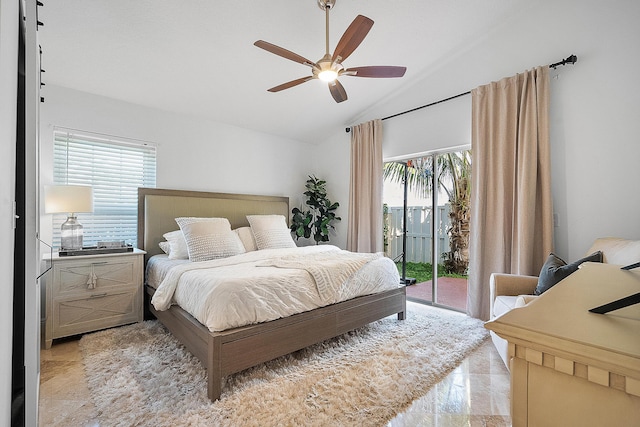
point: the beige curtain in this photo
(364, 232)
(511, 211)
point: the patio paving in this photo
(452, 292)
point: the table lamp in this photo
(69, 199)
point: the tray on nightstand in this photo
(95, 250)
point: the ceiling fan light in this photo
(327, 75)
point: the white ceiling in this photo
(197, 57)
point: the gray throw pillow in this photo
(555, 270)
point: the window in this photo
(115, 167)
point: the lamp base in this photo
(71, 235)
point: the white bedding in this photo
(158, 266)
(265, 285)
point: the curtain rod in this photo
(572, 59)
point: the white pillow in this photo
(247, 239)
(177, 245)
(165, 246)
(209, 238)
(271, 231)
(617, 251)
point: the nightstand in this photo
(90, 292)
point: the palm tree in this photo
(458, 167)
(454, 177)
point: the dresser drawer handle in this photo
(98, 295)
(100, 263)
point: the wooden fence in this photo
(418, 232)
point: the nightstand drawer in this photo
(77, 277)
(98, 310)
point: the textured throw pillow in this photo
(555, 270)
(247, 239)
(177, 245)
(209, 238)
(165, 246)
(271, 231)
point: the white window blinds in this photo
(115, 168)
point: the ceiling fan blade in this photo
(380, 71)
(292, 83)
(352, 38)
(337, 91)
(280, 51)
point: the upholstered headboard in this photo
(158, 208)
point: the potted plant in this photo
(317, 220)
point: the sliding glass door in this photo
(431, 191)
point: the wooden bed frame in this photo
(224, 353)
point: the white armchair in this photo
(509, 291)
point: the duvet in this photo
(269, 284)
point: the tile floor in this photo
(476, 393)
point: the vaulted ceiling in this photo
(197, 57)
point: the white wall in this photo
(595, 106)
(193, 153)
(433, 128)
(332, 163)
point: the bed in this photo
(232, 350)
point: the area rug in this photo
(139, 375)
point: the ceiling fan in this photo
(330, 67)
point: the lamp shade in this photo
(68, 199)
